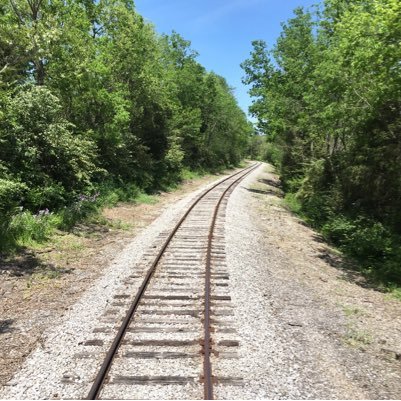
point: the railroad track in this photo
(178, 332)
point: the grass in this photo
(354, 336)
(28, 230)
(293, 204)
(352, 311)
(187, 175)
(357, 338)
(25, 229)
(144, 198)
(119, 225)
(39, 281)
(394, 292)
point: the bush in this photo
(52, 195)
(293, 203)
(260, 149)
(272, 153)
(339, 230)
(112, 193)
(41, 148)
(26, 228)
(11, 196)
(361, 237)
(83, 207)
(371, 243)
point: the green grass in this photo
(291, 201)
(394, 292)
(146, 198)
(187, 175)
(26, 229)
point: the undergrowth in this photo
(374, 249)
(21, 227)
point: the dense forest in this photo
(94, 102)
(327, 95)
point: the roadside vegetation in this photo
(327, 97)
(97, 108)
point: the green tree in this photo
(329, 96)
(41, 150)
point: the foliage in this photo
(293, 202)
(92, 100)
(328, 94)
(26, 228)
(260, 149)
(41, 150)
(11, 195)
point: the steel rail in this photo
(207, 344)
(107, 362)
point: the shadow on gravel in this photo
(6, 326)
(273, 188)
(27, 263)
(317, 237)
(348, 269)
(265, 192)
(272, 183)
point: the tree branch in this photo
(17, 13)
(4, 68)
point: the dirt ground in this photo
(314, 292)
(40, 284)
(312, 285)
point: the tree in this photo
(328, 95)
(41, 150)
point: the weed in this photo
(27, 229)
(192, 174)
(394, 292)
(293, 203)
(147, 199)
(119, 225)
(357, 338)
(352, 311)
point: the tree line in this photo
(327, 95)
(91, 97)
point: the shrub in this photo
(272, 153)
(111, 193)
(371, 243)
(360, 237)
(83, 207)
(11, 196)
(41, 148)
(26, 228)
(293, 202)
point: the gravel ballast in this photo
(53, 370)
(306, 330)
(292, 310)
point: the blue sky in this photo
(221, 31)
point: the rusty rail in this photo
(108, 360)
(207, 347)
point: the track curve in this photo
(180, 241)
